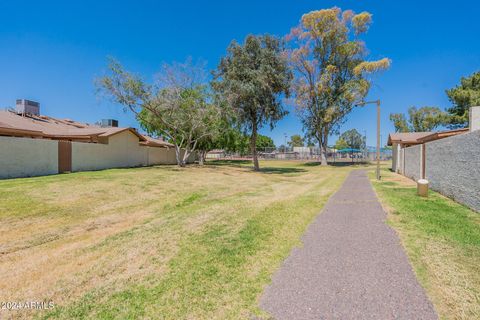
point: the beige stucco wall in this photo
(193, 156)
(165, 156)
(123, 150)
(25, 157)
(161, 156)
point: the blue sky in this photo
(50, 51)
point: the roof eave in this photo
(109, 134)
(21, 132)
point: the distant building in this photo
(216, 154)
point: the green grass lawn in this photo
(442, 240)
(159, 242)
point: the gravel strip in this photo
(351, 266)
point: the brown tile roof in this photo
(406, 137)
(443, 134)
(421, 137)
(13, 124)
(110, 131)
(152, 142)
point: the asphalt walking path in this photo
(351, 266)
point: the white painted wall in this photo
(26, 157)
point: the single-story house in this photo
(32, 144)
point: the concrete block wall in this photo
(395, 156)
(25, 157)
(453, 168)
(474, 118)
(401, 163)
(413, 162)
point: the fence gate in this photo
(64, 156)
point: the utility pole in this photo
(377, 102)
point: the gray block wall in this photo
(453, 168)
(413, 162)
(401, 162)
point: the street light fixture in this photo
(377, 102)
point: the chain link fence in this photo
(304, 153)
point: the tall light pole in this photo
(377, 102)
(365, 153)
(381, 142)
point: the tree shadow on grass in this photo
(281, 170)
(248, 164)
(312, 164)
(228, 162)
(335, 164)
(346, 164)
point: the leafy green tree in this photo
(424, 119)
(353, 139)
(463, 96)
(399, 122)
(341, 144)
(329, 62)
(235, 141)
(296, 141)
(221, 138)
(264, 142)
(310, 142)
(282, 148)
(204, 146)
(252, 78)
(177, 107)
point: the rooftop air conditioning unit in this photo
(24, 106)
(106, 123)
